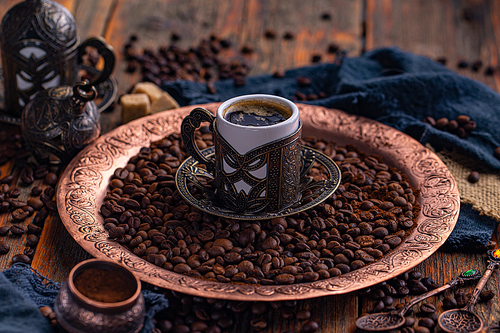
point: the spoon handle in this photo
(471, 274)
(479, 287)
(428, 294)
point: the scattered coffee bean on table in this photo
(4, 247)
(370, 214)
(473, 177)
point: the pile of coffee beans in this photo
(36, 208)
(461, 126)
(188, 313)
(370, 214)
(202, 63)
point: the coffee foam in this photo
(259, 108)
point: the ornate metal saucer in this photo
(313, 192)
(106, 94)
(84, 184)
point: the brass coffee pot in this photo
(60, 121)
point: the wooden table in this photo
(455, 29)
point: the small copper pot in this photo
(78, 313)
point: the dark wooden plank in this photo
(303, 19)
(57, 252)
(241, 22)
(456, 29)
(91, 17)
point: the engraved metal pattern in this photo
(48, 27)
(380, 322)
(85, 181)
(264, 194)
(75, 319)
(40, 50)
(61, 121)
(460, 321)
(274, 190)
(190, 174)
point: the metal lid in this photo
(43, 20)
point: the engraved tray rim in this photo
(84, 182)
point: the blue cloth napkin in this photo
(23, 291)
(398, 89)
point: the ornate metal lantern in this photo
(40, 50)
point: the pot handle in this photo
(106, 51)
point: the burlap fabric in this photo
(484, 196)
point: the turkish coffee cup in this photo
(257, 162)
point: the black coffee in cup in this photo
(257, 113)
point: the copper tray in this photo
(84, 183)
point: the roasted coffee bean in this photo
(4, 247)
(4, 230)
(6, 180)
(486, 295)
(303, 315)
(496, 152)
(36, 203)
(421, 329)
(449, 302)
(427, 308)
(309, 327)
(429, 120)
(426, 322)
(14, 192)
(16, 203)
(32, 240)
(20, 214)
(27, 177)
(21, 258)
(414, 275)
(473, 177)
(51, 179)
(41, 172)
(258, 324)
(36, 191)
(409, 321)
(378, 293)
(441, 123)
(418, 289)
(378, 306)
(17, 230)
(259, 308)
(304, 81)
(33, 229)
(30, 252)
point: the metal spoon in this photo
(392, 320)
(464, 320)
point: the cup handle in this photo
(189, 125)
(106, 51)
